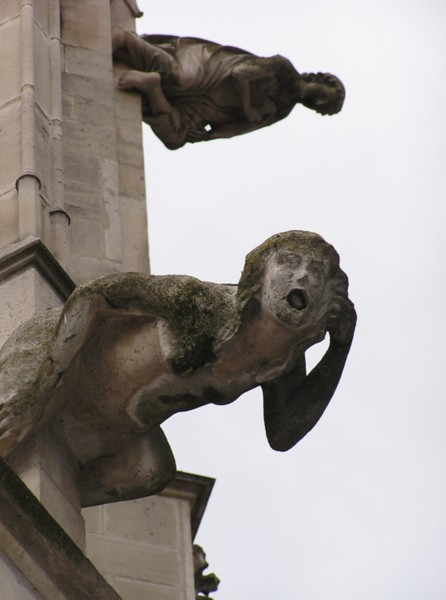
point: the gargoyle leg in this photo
(141, 54)
(142, 465)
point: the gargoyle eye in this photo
(297, 299)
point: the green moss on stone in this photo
(197, 313)
(24, 360)
(304, 243)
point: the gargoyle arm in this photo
(241, 126)
(243, 85)
(294, 402)
(233, 128)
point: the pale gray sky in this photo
(357, 510)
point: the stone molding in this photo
(31, 252)
(41, 550)
(196, 489)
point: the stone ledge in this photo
(40, 548)
(196, 489)
(32, 252)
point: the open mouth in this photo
(297, 299)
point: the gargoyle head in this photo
(297, 275)
(297, 278)
(322, 92)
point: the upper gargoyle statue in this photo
(129, 350)
(195, 90)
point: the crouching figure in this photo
(129, 350)
(194, 90)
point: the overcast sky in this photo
(357, 510)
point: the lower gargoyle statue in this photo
(204, 584)
(127, 351)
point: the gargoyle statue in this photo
(129, 350)
(204, 584)
(195, 90)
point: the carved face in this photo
(297, 293)
(318, 96)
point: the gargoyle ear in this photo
(294, 402)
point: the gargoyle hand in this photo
(342, 322)
(197, 135)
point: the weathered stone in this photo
(134, 234)
(124, 12)
(88, 140)
(83, 24)
(10, 148)
(131, 350)
(10, 69)
(132, 182)
(131, 154)
(43, 165)
(127, 104)
(42, 76)
(141, 590)
(153, 520)
(204, 582)
(14, 584)
(21, 296)
(169, 521)
(78, 86)
(129, 131)
(9, 222)
(48, 471)
(94, 519)
(85, 268)
(92, 112)
(30, 539)
(148, 563)
(43, 157)
(42, 14)
(113, 212)
(80, 171)
(10, 9)
(194, 90)
(86, 237)
(88, 63)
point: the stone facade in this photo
(38, 559)
(72, 208)
(103, 157)
(71, 152)
(143, 547)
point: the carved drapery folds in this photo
(195, 90)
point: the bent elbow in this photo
(279, 442)
(284, 440)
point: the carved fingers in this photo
(342, 322)
(197, 135)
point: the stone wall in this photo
(30, 122)
(143, 547)
(72, 208)
(38, 560)
(103, 156)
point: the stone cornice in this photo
(36, 544)
(32, 252)
(196, 489)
